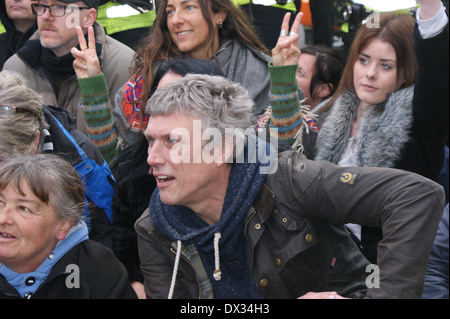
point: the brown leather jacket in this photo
(297, 241)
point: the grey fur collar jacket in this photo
(383, 134)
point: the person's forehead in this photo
(24, 194)
(78, 3)
(307, 62)
(164, 124)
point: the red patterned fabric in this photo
(131, 106)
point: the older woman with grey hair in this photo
(29, 127)
(44, 247)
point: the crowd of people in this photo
(207, 162)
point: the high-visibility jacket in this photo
(401, 9)
(288, 6)
(125, 21)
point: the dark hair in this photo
(184, 66)
(327, 69)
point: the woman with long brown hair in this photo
(214, 30)
(391, 106)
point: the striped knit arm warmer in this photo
(97, 113)
(286, 112)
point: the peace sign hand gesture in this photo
(286, 52)
(86, 62)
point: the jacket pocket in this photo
(289, 237)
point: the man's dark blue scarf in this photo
(181, 223)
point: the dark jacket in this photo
(436, 277)
(132, 193)
(11, 40)
(76, 147)
(388, 139)
(296, 238)
(411, 131)
(101, 276)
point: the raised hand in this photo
(86, 62)
(286, 52)
(428, 8)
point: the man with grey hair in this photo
(47, 62)
(221, 229)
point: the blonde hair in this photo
(18, 132)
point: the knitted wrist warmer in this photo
(97, 113)
(286, 115)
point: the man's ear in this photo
(89, 18)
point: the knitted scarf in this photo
(132, 91)
(181, 223)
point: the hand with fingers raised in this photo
(86, 62)
(286, 52)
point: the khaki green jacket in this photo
(297, 242)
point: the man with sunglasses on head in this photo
(47, 63)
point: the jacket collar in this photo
(264, 202)
(30, 53)
(382, 136)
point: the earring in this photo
(220, 23)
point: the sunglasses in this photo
(10, 110)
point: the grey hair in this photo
(219, 102)
(52, 180)
(18, 132)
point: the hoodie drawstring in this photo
(175, 269)
(217, 273)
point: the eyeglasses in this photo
(10, 110)
(56, 10)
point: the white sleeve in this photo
(433, 26)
